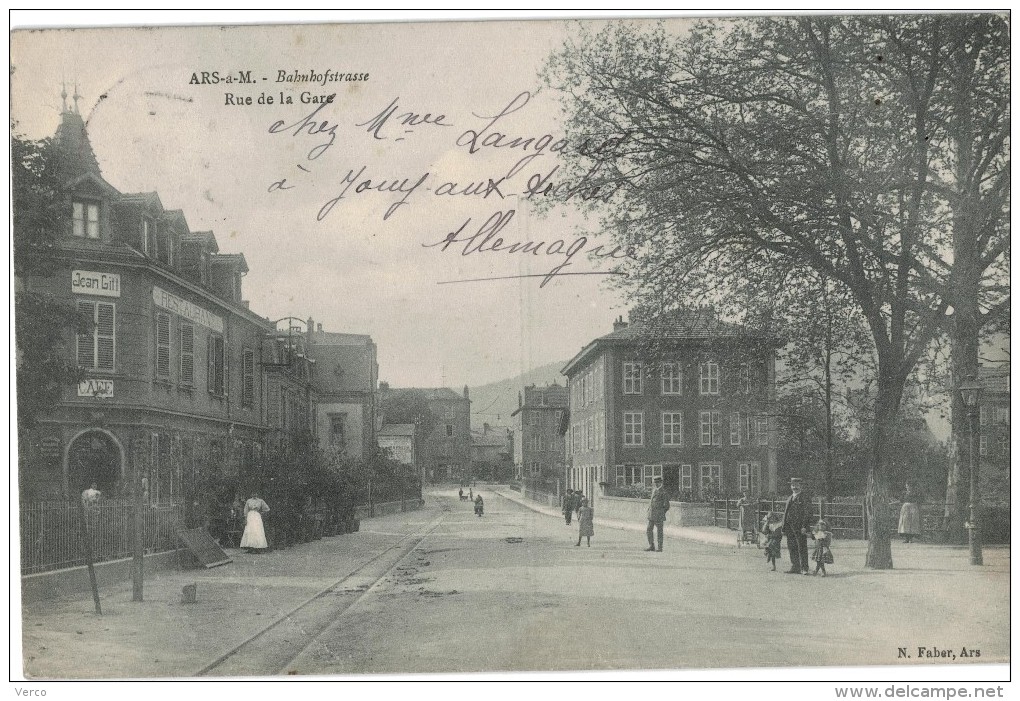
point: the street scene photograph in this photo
(562, 348)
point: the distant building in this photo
(993, 443)
(345, 380)
(446, 452)
(539, 444)
(686, 399)
(492, 453)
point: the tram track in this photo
(270, 650)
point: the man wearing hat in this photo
(657, 514)
(795, 523)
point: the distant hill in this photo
(493, 403)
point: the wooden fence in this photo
(52, 532)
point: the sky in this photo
(362, 264)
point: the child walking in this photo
(586, 519)
(772, 529)
(823, 553)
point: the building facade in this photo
(173, 387)
(687, 400)
(346, 396)
(539, 443)
(492, 453)
(446, 451)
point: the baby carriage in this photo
(747, 523)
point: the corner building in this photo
(687, 400)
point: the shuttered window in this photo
(248, 377)
(187, 354)
(215, 374)
(163, 346)
(96, 347)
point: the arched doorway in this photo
(95, 456)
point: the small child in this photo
(586, 519)
(823, 553)
(772, 529)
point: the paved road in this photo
(511, 591)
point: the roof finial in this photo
(63, 96)
(76, 96)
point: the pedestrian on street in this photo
(460, 493)
(657, 509)
(471, 494)
(254, 536)
(578, 498)
(568, 505)
(479, 506)
(823, 553)
(772, 529)
(795, 523)
(586, 520)
(910, 514)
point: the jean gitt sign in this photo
(90, 282)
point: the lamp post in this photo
(970, 392)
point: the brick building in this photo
(539, 444)
(686, 399)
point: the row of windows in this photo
(156, 241)
(587, 388)
(744, 429)
(997, 414)
(534, 418)
(710, 475)
(671, 378)
(588, 434)
(1002, 445)
(96, 348)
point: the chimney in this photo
(619, 324)
(520, 400)
(384, 386)
(309, 328)
(466, 393)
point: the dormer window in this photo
(166, 248)
(85, 219)
(149, 238)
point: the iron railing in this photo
(52, 532)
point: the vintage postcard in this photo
(675, 346)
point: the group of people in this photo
(576, 502)
(794, 523)
(478, 502)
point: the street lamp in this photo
(970, 392)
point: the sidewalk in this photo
(710, 536)
(65, 639)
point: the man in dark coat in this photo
(657, 509)
(568, 505)
(795, 524)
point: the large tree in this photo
(42, 322)
(819, 147)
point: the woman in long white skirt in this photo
(254, 537)
(910, 514)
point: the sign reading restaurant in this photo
(186, 309)
(88, 282)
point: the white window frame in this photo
(687, 477)
(744, 469)
(632, 378)
(984, 415)
(84, 226)
(591, 433)
(761, 429)
(673, 429)
(671, 381)
(633, 428)
(745, 377)
(983, 445)
(709, 378)
(735, 428)
(711, 427)
(711, 473)
(536, 467)
(649, 474)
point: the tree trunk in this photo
(876, 498)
